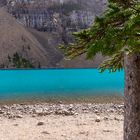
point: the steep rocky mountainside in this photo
(47, 15)
(18, 47)
(34, 28)
(61, 16)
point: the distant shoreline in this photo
(47, 68)
(66, 100)
(75, 68)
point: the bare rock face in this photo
(3, 3)
(48, 15)
(58, 19)
(59, 16)
(16, 43)
(31, 37)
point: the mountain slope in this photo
(50, 42)
(23, 47)
(15, 39)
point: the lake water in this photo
(15, 84)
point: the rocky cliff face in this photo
(61, 16)
(3, 3)
(32, 39)
(48, 14)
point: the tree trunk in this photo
(132, 97)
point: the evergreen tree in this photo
(116, 34)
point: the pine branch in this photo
(118, 27)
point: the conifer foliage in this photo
(114, 34)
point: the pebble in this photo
(82, 132)
(96, 111)
(107, 131)
(106, 118)
(40, 123)
(98, 119)
(117, 119)
(64, 112)
(38, 111)
(76, 114)
(60, 102)
(15, 124)
(64, 135)
(34, 115)
(1, 112)
(5, 107)
(19, 116)
(45, 132)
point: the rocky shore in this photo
(44, 109)
(59, 121)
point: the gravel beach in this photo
(50, 121)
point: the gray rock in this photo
(106, 118)
(45, 132)
(76, 114)
(19, 116)
(107, 131)
(15, 124)
(5, 107)
(40, 123)
(60, 102)
(96, 111)
(64, 112)
(117, 119)
(1, 111)
(82, 132)
(98, 119)
(38, 111)
(34, 115)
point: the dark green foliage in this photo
(19, 62)
(115, 34)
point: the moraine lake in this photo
(47, 83)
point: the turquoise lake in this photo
(15, 84)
